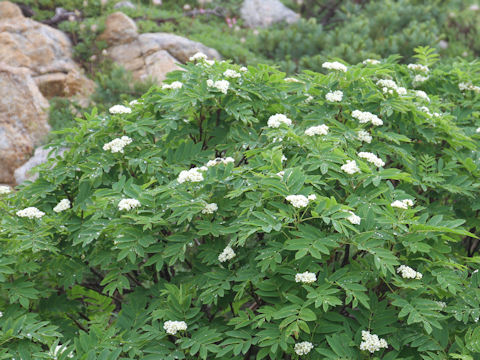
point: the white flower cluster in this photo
(192, 175)
(303, 348)
(198, 56)
(372, 342)
(402, 204)
(62, 206)
(210, 208)
(426, 110)
(276, 120)
(306, 277)
(370, 62)
(227, 254)
(334, 66)
(174, 85)
(364, 117)
(231, 74)
(119, 109)
(134, 102)
(409, 273)
(30, 212)
(280, 173)
(350, 167)
(223, 161)
(418, 79)
(372, 158)
(317, 130)
(418, 67)
(117, 145)
(4, 189)
(300, 201)
(478, 130)
(364, 136)
(468, 86)
(291, 79)
(389, 86)
(128, 204)
(423, 95)
(353, 218)
(172, 327)
(335, 96)
(220, 85)
(243, 69)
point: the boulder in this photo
(124, 4)
(150, 55)
(23, 119)
(263, 13)
(46, 51)
(40, 156)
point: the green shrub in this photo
(130, 238)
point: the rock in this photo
(46, 51)
(41, 156)
(23, 119)
(124, 4)
(263, 13)
(148, 55)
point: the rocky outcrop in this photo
(263, 13)
(46, 51)
(150, 55)
(23, 119)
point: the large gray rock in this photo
(25, 171)
(263, 13)
(150, 55)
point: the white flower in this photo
(128, 204)
(402, 204)
(388, 86)
(409, 273)
(371, 342)
(312, 197)
(317, 130)
(468, 86)
(223, 161)
(276, 120)
(231, 74)
(309, 99)
(306, 277)
(4, 189)
(171, 327)
(284, 158)
(62, 206)
(420, 79)
(423, 95)
(117, 145)
(221, 85)
(210, 208)
(119, 109)
(192, 175)
(303, 348)
(350, 167)
(227, 254)
(334, 96)
(174, 85)
(1, 314)
(478, 130)
(291, 79)
(372, 158)
(354, 219)
(243, 69)
(370, 62)
(30, 212)
(334, 66)
(365, 117)
(364, 136)
(280, 173)
(198, 56)
(134, 102)
(298, 201)
(418, 67)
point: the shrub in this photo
(248, 220)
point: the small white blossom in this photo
(62, 206)
(198, 56)
(372, 342)
(423, 95)
(306, 277)
(117, 145)
(31, 213)
(364, 117)
(223, 161)
(172, 327)
(303, 348)
(119, 109)
(335, 96)
(1, 314)
(276, 120)
(221, 85)
(334, 66)
(243, 69)
(353, 218)
(210, 208)
(418, 79)
(468, 86)
(134, 102)
(231, 74)
(372, 158)
(4, 189)
(309, 99)
(298, 201)
(284, 158)
(409, 273)
(192, 175)
(350, 167)
(364, 136)
(388, 86)
(174, 85)
(317, 130)
(280, 173)
(312, 197)
(402, 204)
(227, 254)
(291, 79)
(478, 130)
(370, 62)
(128, 204)
(418, 67)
